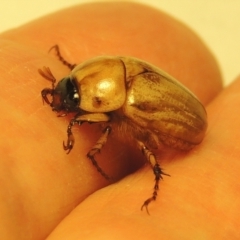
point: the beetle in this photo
(132, 99)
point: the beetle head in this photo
(65, 96)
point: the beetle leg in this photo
(90, 118)
(45, 92)
(70, 140)
(57, 50)
(97, 148)
(158, 172)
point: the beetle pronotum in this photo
(131, 97)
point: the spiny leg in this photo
(97, 148)
(158, 172)
(80, 119)
(66, 63)
(70, 140)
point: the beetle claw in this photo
(69, 146)
(145, 205)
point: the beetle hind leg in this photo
(97, 148)
(158, 172)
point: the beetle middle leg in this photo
(158, 172)
(97, 148)
(80, 119)
(90, 118)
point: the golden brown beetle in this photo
(135, 100)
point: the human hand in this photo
(42, 188)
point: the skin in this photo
(45, 192)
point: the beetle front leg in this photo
(158, 172)
(66, 63)
(70, 140)
(90, 118)
(97, 148)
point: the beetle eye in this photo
(72, 98)
(75, 97)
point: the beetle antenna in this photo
(57, 51)
(47, 74)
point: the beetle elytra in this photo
(131, 97)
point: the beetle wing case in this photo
(159, 103)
